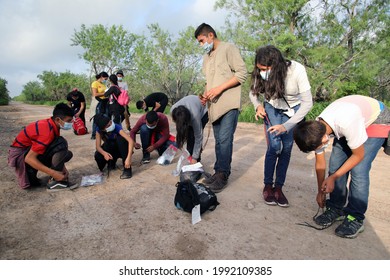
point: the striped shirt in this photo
(37, 135)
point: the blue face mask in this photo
(207, 47)
(265, 74)
(67, 126)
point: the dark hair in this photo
(101, 74)
(204, 29)
(114, 79)
(139, 104)
(151, 117)
(101, 120)
(308, 135)
(62, 110)
(274, 87)
(120, 72)
(182, 117)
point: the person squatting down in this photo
(190, 117)
(360, 126)
(154, 132)
(280, 93)
(39, 147)
(116, 144)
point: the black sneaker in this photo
(53, 185)
(327, 218)
(127, 173)
(220, 182)
(145, 158)
(350, 228)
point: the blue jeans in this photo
(279, 147)
(224, 129)
(146, 137)
(360, 179)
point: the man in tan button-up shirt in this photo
(225, 71)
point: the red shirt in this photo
(37, 135)
(162, 128)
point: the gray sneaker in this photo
(327, 218)
(350, 228)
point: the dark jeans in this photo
(224, 129)
(101, 107)
(118, 148)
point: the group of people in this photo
(281, 95)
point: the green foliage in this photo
(4, 93)
(106, 48)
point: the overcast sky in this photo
(36, 34)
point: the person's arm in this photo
(32, 160)
(163, 122)
(156, 106)
(259, 108)
(320, 167)
(356, 157)
(215, 92)
(131, 146)
(82, 108)
(99, 149)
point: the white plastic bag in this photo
(184, 159)
(91, 180)
(168, 155)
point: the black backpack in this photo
(189, 194)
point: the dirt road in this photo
(136, 218)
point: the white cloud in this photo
(36, 34)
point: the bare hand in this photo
(277, 129)
(260, 113)
(321, 197)
(127, 163)
(150, 149)
(59, 176)
(213, 93)
(137, 146)
(107, 156)
(328, 185)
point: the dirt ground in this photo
(136, 219)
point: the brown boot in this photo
(220, 182)
(268, 195)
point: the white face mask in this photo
(111, 127)
(151, 127)
(265, 74)
(207, 47)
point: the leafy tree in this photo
(168, 64)
(33, 91)
(334, 39)
(4, 93)
(106, 48)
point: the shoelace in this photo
(306, 224)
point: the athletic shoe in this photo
(327, 218)
(268, 195)
(350, 228)
(280, 199)
(127, 173)
(53, 185)
(145, 158)
(220, 182)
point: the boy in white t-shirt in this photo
(360, 126)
